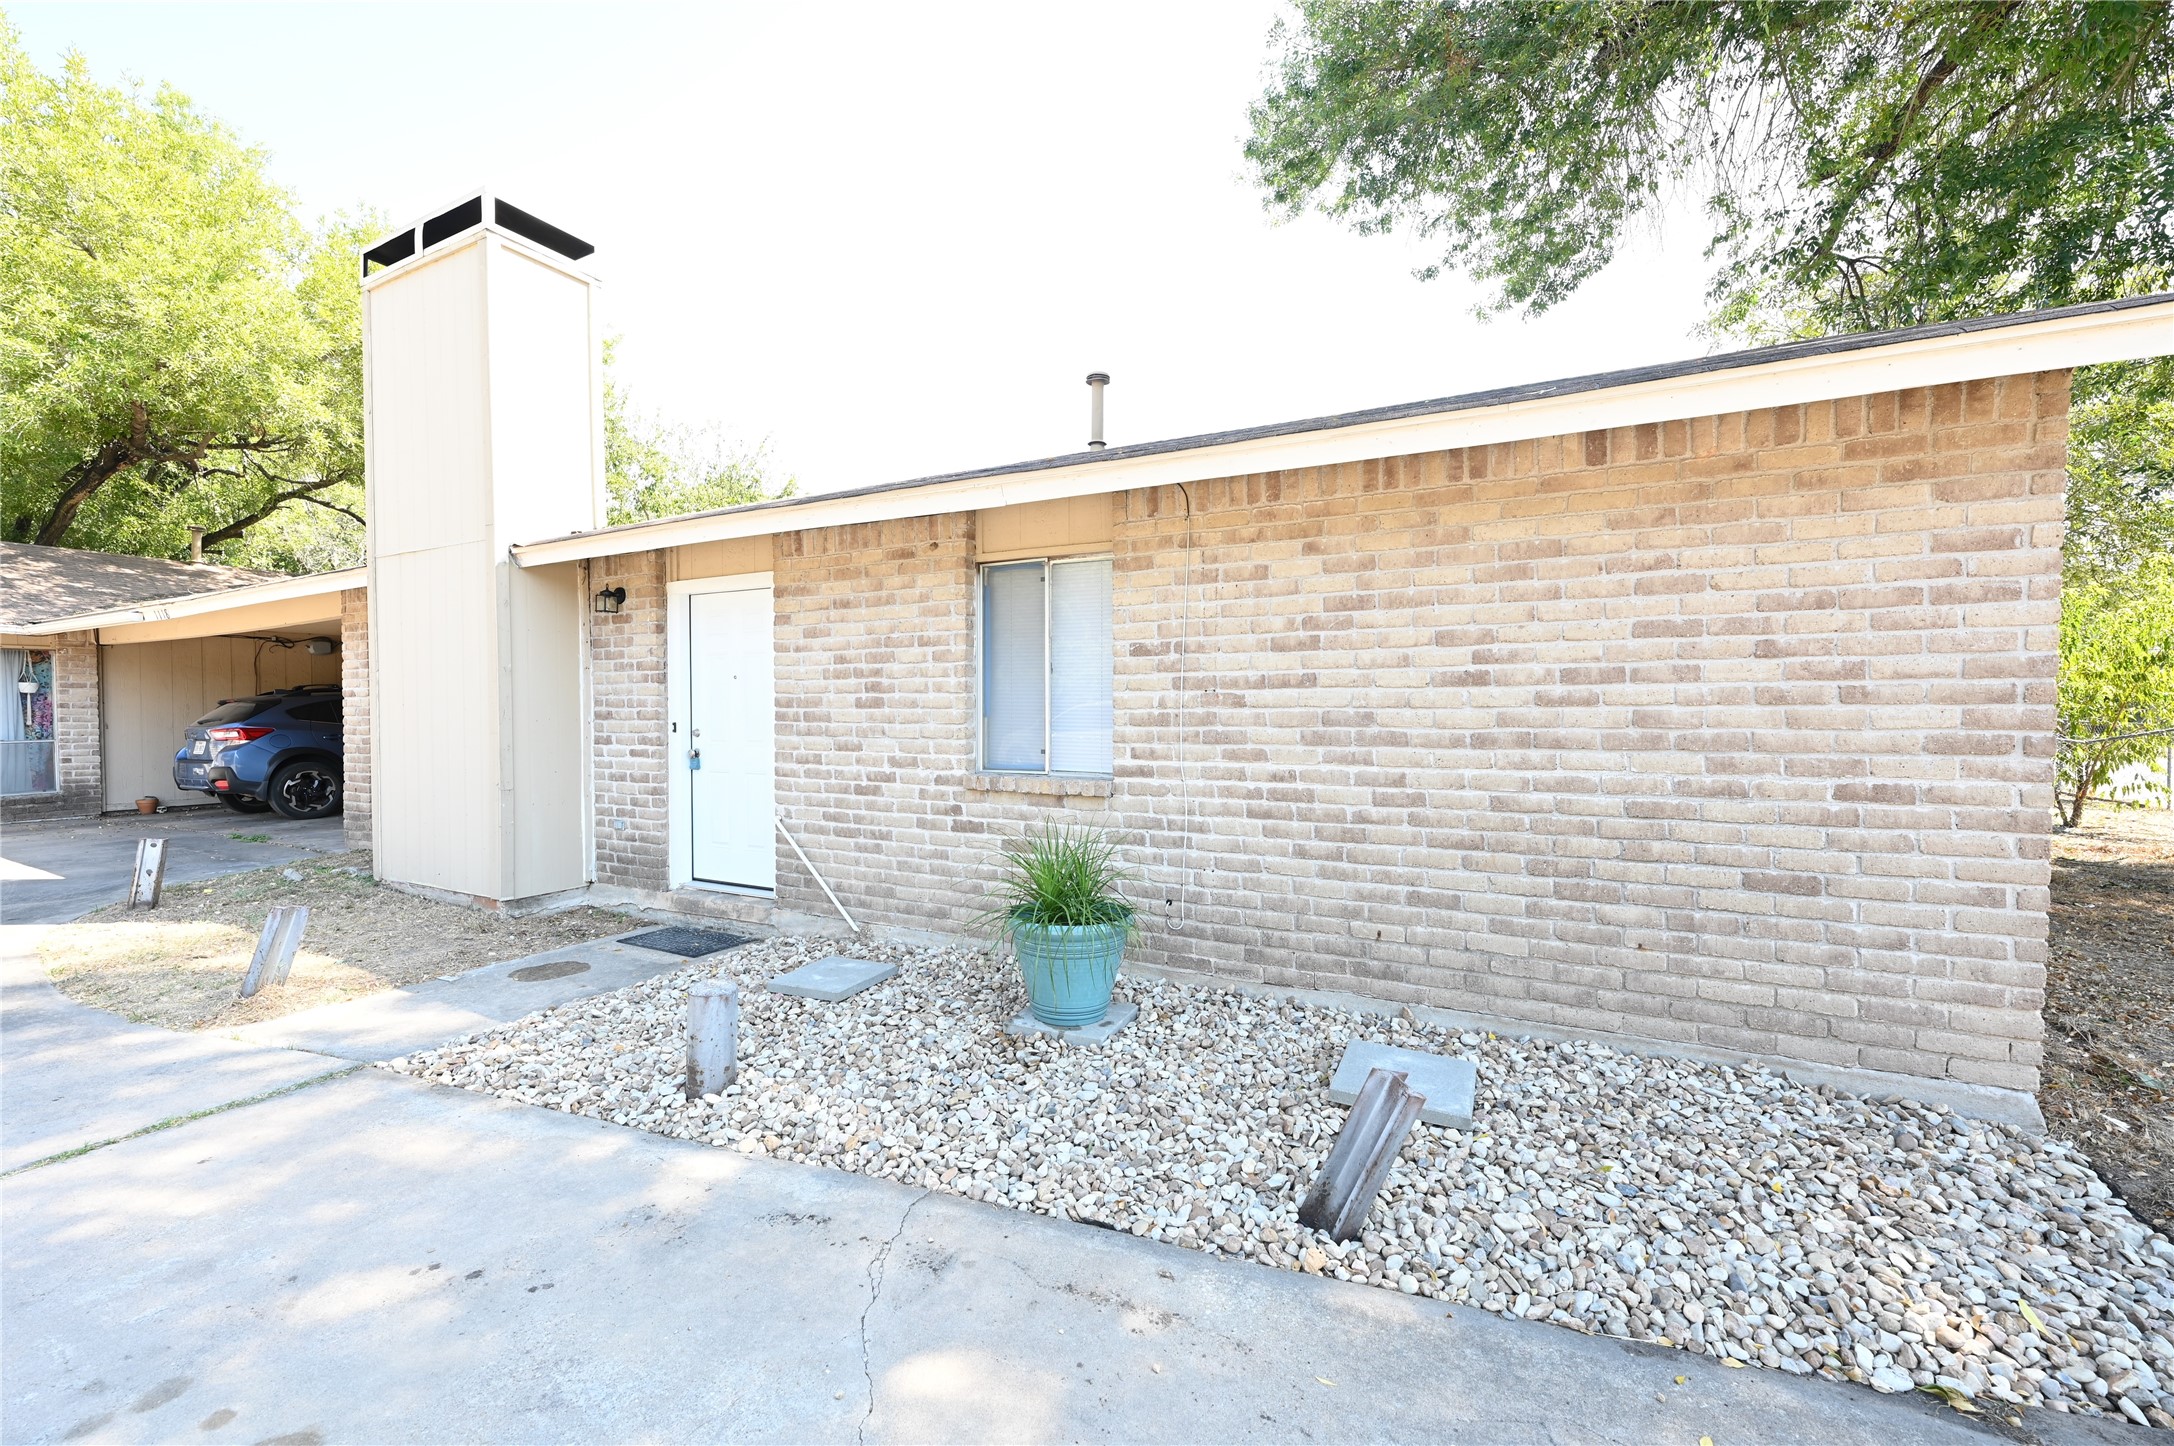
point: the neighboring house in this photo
(1706, 706)
(114, 679)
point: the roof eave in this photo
(190, 605)
(1930, 356)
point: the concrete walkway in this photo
(51, 872)
(375, 1259)
(72, 1076)
(363, 1257)
(399, 1021)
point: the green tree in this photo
(1866, 163)
(175, 348)
(2120, 471)
(657, 468)
(2117, 680)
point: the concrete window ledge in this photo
(1061, 785)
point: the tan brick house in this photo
(1705, 708)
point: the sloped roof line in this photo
(2074, 332)
(39, 583)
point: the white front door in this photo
(731, 751)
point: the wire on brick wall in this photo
(1188, 796)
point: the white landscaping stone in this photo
(1447, 1083)
(833, 979)
(1721, 1208)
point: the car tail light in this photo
(236, 735)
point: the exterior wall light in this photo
(609, 599)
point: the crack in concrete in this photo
(173, 1121)
(876, 1268)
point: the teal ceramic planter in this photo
(1069, 970)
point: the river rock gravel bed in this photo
(1726, 1211)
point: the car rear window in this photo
(233, 712)
(326, 712)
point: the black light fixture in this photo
(609, 599)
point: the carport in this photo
(126, 680)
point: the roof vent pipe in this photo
(1096, 381)
(196, 544)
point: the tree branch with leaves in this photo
(176, 349)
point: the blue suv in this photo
(279, 750)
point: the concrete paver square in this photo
(832, 978)
(1447, 1082)
(1120, 1013)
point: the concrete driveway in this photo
(376, 1259)
(52, 872)
(227, 1240)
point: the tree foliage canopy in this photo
(175, 348)
(2120, 470)
(1867, 163)
(2117, 679)
(657, 468)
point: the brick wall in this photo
(626, 653)
(78, 734)
(355, 716)
(1732, 732)
(876, 727)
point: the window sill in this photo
(1062, 785)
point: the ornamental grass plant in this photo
(1060, 876)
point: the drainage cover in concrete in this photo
(556, 969)
(832, 979)
(687, 943)
(1447, 1083)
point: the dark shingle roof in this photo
(41, 583)
(1469, 401)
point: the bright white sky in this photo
(889, 240)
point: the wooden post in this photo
(276, 947)
(713, 1037)
(1358, 1165)
(150, 875)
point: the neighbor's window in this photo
(1046, 665)
(26, 723)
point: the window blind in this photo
(1080, 667)
(1014, 674)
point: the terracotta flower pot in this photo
(147, 805)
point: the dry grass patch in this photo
(181, 965)
(2109, 1070)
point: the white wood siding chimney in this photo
(485, 430)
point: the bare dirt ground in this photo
(2109, 1072)
(181, 965)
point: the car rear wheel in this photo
(309, 789)
(240, 804)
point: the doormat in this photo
(687, 943)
